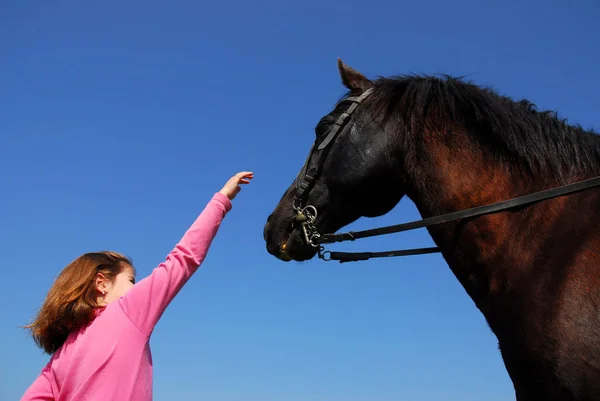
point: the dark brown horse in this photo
(448, 145)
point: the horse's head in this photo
(346, 175)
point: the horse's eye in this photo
(321, 128)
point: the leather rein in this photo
(307, 215)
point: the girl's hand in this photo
(232, 187)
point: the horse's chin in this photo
(295, 249)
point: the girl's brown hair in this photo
(72, 299)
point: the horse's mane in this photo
(512, 131)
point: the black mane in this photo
(513, 131)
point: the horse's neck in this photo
(487, 252)
(460, 177)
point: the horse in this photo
(449, 145)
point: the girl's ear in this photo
(101, 283)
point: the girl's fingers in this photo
(245, 177)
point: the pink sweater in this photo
(110, 359)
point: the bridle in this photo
(307, 215)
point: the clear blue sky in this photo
(120, 119)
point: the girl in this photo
(96, 322)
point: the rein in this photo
(444, 218)
(306, 215)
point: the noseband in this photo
(307, 215)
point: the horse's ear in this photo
(352, 79)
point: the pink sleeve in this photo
(146, 301)
(40, 389)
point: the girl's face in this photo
(111, 291)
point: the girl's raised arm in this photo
(146, 301)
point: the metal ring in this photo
(314, 235)
(310, 210)
(323, 257)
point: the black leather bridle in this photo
(306, 215)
